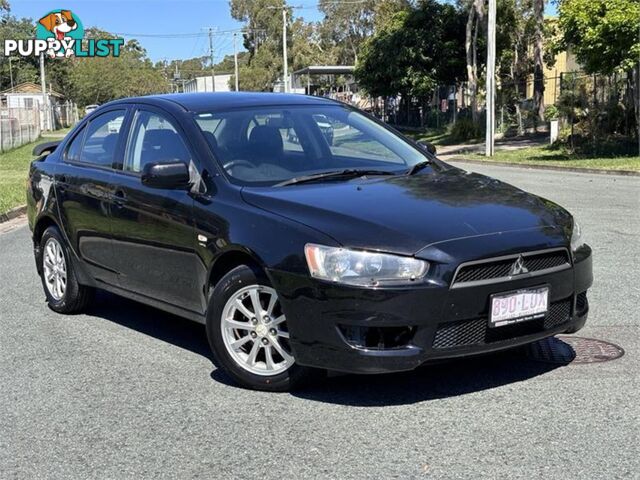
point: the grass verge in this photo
(14, 166)
(557, 157)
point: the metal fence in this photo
(64, 115)
(604, 102)
(18, 126)
(21, 125)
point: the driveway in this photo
(126, 391)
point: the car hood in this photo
(404, 214)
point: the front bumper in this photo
(438, 322)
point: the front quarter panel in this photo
(226, 224)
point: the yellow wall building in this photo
(565, 62)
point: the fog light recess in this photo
(377, 338)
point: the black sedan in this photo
(304, 233)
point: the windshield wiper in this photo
(418, 166)
(347, 173)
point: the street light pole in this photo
(491, 80)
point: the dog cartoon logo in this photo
(63, 26)
(60, 34)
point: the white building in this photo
(27, 99)
(203, 84)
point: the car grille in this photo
(500, 269)
(477, 331)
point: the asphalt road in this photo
(126, 391)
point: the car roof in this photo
(219, 101)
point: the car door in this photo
(83, 185)
(153, 228)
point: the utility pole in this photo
(43, 85)
(213, 74)
(11, 73)
(285, 62)
(235, 58)
(176, 77)
(284, 48)
(491, 80)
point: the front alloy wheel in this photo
(248, 334)
(254, 331)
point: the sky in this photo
(153, 17)
(149, 17)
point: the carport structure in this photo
(316, 70)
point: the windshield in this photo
(270, 145)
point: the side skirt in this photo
(160, 305)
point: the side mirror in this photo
(168, 175)
(428, 146)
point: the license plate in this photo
(518, 306)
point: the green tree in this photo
(21, 69)
(538, 54)
(263, 41)
(99, 80)
(414, 52)
(474, 26)
(346, 25)
(603, 34)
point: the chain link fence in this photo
(22, 125)
(18, 126)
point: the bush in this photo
(551, 113)
(466, 129)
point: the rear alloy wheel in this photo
(54, 268)
(64, 293)
(248, 334)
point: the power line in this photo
(177, 35)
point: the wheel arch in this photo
(41, 225)
(230, 259)
(39, 228)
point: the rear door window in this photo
(101, 139)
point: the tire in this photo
(64, 293)
(248, 364)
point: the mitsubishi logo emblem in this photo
(518, 267)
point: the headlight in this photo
(577, 239)
(354, 267)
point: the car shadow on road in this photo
(429, 382)
(150, 321)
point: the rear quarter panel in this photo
(41, 199)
